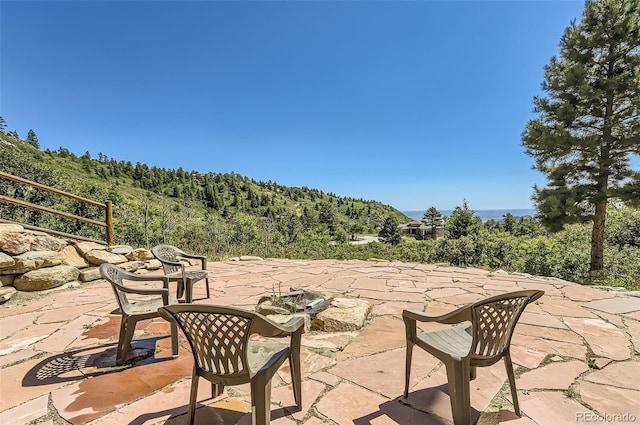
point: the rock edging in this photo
(36, 261)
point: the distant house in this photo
(420, 230)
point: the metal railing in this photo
(107, 206)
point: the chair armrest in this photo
(268, 327)
(202, 258)
(172, 263)
(536, 296)
(292, 325)
(462, 314)
(142, 291)
(147, 278)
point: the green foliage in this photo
(588, 125)
(282, 227)
(432, 217)
(32, 139)
(463, 222)
(390, 231)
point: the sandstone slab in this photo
(11, 227)
(605, 339)
(46, 242)
(6, 292)
(139, 254)
(613, 403)
(121, 249)
(70, 257)
(84, 247)
(7, 279)
(554, 376)
(343, 314)
(100, 256)
(6, 261)
(46, 278)
(90, 274)
(555, 408)
(34, 260)
(15, 243)
(153, 264)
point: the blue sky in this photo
(411, 103)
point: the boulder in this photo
(6, 293)
(6, 261)
(84, 247)
(45, 242)
(153, 264)
(46, 278)
(121, 249)
(131, 266)
(15, 243)
(140, 254)
(250, 258)
(34, 260)
(7, 280)
(343, 314)
(11, 227)
(89, 274)
(99, 256)
(70, 257)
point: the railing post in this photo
(109, 221)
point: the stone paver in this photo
(61, 345)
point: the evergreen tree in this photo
(509, 222)
(390, 231)
(32, 139)
(588, 125)
(432, 217)
(327, 216)
(463, 222)
(3, 124)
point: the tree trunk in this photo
(597, 239)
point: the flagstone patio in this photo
(576, 353)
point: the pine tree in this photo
(432, 217)
(3, 124)
(390, 231)
(32, 139)
(463, 222)
(588, 125)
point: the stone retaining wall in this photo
(36, 261)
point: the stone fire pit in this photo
(320, 311)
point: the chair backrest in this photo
(493, 321)
(115, 275)
(167, 253)
(218, 337)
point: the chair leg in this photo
(206, 280)
(192, 398)
(472, 375)
(174, 338)
(180, 289)
(189, 290)
(512, 382)
(296, 378)
(260, 401)
(407, 369)
(127, 327)
(458, 373)
(216, 390)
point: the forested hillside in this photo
(219, 214)
(224, 215)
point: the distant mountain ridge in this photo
(483, 214)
